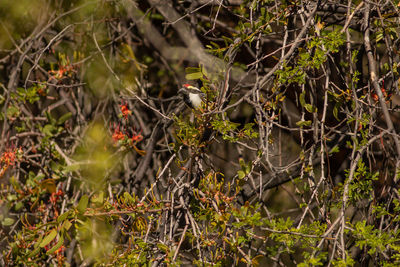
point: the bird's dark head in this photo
(191, 95)
(183, 91)
(189, 89)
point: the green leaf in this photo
(50, 118)
(379, 37)
(248, 167)
(66, 225)
(56, 246)
(48, 238)
(19, 205)
(335, 149)
(64, 117)
(335, 110)
(8, 222)
(205, 72)
(39, 177)
(127, 196)
(189, 70)
(303, 123)
(156, 16)
(227, 40)
(215, 44)
(83, 203)
(162, 247)
(310, 108)
(302, 99)
(194, 76)
(262, 10)
(62, 217)
(49, 129)
(34, 252)
(241, 174)
(12, 198)
(38, 242)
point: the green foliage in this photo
(245, 168)
(361, 186)
(290, 75)
(188, 132)
(310, 58)
(86, 179)
(225, 127)
(374, 240)
(310, 260)
(31, 95)
(347, 262)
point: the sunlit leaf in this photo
(194, 76)
(48, 238)
(303, 123)
(56, 246)
(83, 203)
(8, 222)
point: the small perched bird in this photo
(192, 96)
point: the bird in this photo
(192, 96)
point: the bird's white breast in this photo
(195, 99)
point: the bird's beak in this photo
(181, 91)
